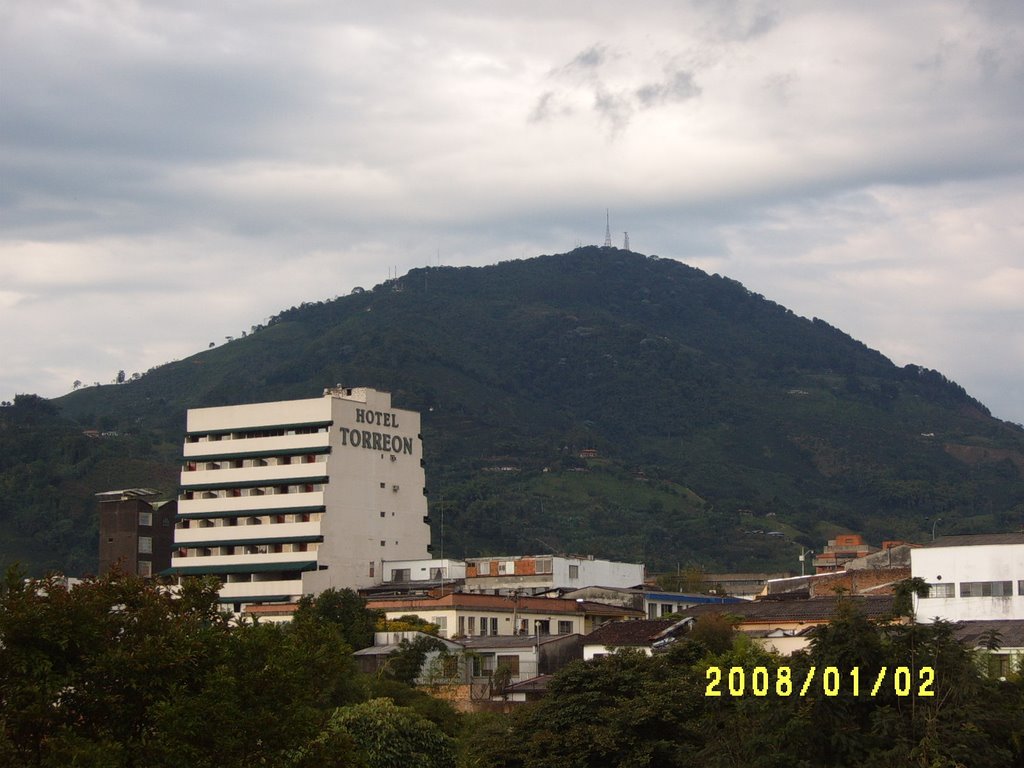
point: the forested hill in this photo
(714, 413)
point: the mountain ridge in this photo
(709, 407)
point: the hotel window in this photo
(145, 545)
(146, 518)
(942, 590)
(986, 588)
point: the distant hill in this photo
(708, 413)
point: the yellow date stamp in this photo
(785, 681)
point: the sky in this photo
(172, 174)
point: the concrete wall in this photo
(958, 564)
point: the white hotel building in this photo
(290, 498)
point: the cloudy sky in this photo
(174, 173)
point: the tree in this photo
(405, 663)
(344, 609)
(120, 377)
(384, 736)
(905, 591)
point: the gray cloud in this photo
(861, 165)
(679, 86)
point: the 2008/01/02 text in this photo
(738, 681)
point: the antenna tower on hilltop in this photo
(607, 230)
(625, 241)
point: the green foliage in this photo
(407, 623)
(701, 398)
(630, 710)
(119, 672)
(388, 736)
(345, 609)
(405, 663)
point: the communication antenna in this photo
(607, 230)
(625, 241)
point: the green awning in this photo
(284, 599)
(246, 542)
(251, 512)
(214, 455)
(255, 427)
(202, 570)
(257, 483)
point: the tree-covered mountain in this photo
(713, 412)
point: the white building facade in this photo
(289, 498)
(971, 578)
(534, 574)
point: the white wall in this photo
(958, 564)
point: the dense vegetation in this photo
(115, 673)
(713, 411)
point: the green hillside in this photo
(713, 412)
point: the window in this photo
(462, 626)
(482, 666)
(483, 625)
(574, 571)
(400, 574)
(941, 590)
(451, 666)
(1000, 665)
(472, 624)
(1020, 587)
(565, 627)
(506, 567)
(667, 608)
(371, 570)
(986, 588)
(442, 624)
(146, 518)
(544, 565)
(145, 544)
(494, 625)
(509, 662)
(483, 568)
(382, 542)
(652, 611)
(145, 568)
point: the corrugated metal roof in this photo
(627, 633)
(976, 540)
(1011, 632)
